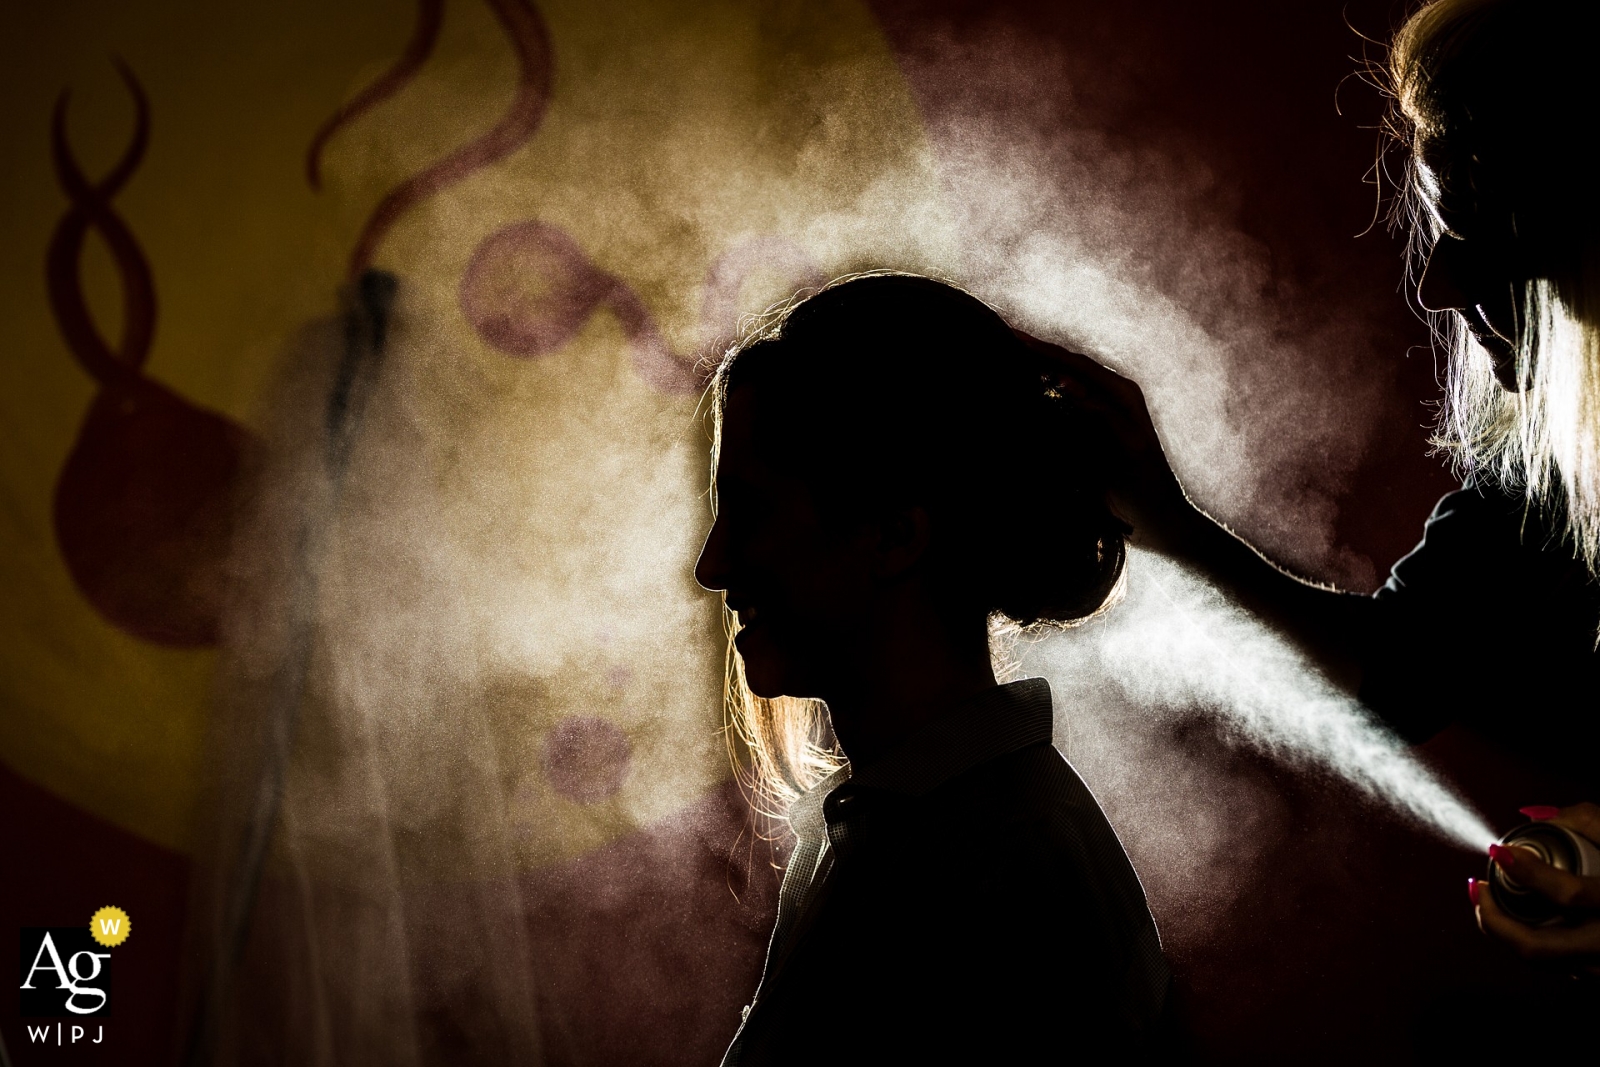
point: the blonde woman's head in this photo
(1495, 101)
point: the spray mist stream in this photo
(1177, 644)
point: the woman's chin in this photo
(768, 671)
(763, 673)
(763, 681)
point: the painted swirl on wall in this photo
(143, 505)
(529, 38)
(430, 16)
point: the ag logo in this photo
(66, 970)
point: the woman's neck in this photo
(917, 669)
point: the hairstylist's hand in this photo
(1143, 488)
(1572, 945)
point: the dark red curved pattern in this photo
(529, 288)
(143, 505)
(529, 38)
(91, 210)
(430, 16)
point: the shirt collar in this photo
(978, 729)
(805, 813)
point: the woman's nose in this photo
(710, 569)
(1440, 288)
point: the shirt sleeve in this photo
(1490, 611)
(1407, 656)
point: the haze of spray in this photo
(1176, 645)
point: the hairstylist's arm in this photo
(1571, 945)
(1326, 623)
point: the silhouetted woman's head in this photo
(1496, 100)
(888, 437)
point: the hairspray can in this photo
(1557, 846)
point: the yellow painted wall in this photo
(675, 130)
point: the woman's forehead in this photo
(738, 416)
(736, 452)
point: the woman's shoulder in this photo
(1030, 805)
(1032, 835)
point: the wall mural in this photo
(451, 453)
(143, 505)
(352, 637)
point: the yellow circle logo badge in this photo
(110, 927)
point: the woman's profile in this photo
(894, 473)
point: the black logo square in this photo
(65, 973)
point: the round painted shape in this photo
(586, 758)
(528, 289)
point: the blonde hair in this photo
(780, 746)
(1481, 81)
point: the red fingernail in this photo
(1540, 812)
(1502, 855)
(1472, 890)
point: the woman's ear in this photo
(903, 534)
